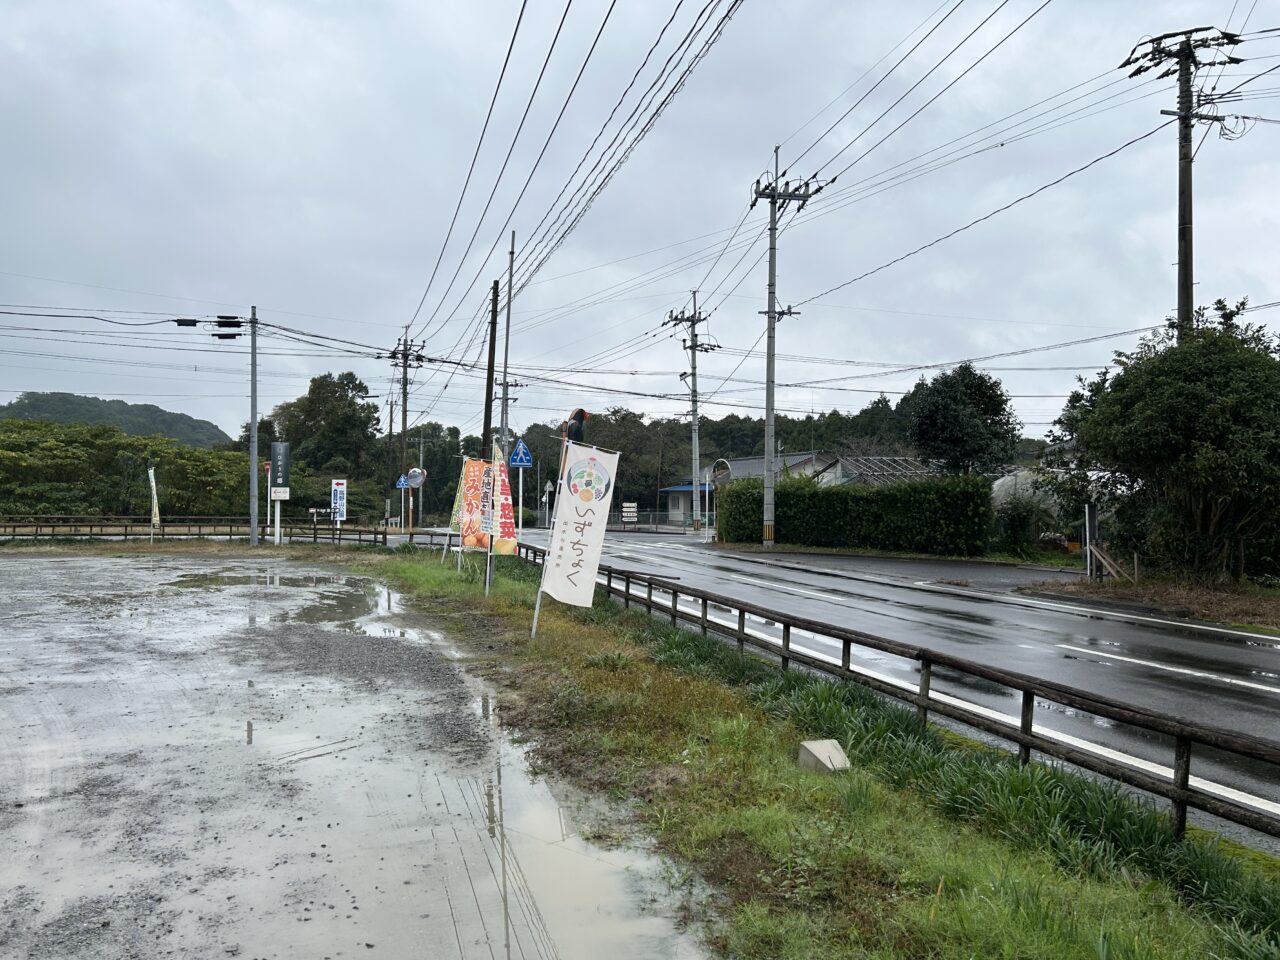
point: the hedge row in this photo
(946, 515)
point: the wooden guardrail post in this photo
(703, 618)
(1181, 776)
(786, 646)
(648, 598)
(1025, 725)
(926, 679)
(608, 582)
(626, 587)
(742, 630)
(675, 599)
(845, 653)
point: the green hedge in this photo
(947, 515)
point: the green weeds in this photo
(929, 847)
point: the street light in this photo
(224, 322)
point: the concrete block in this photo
(823, 756)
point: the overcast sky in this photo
(193, 158)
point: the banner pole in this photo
(537, 609)
(537, 603)
(493, 499)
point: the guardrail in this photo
(727, 616)
(126, 528)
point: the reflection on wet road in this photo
(233, 758)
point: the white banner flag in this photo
(577, 535)
(155, 499)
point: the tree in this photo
(962, 419)
(332, 427)
(1182, 443)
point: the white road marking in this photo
(1183, 670)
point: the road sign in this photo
(402, 483)
(279, 493)
(521, 457)
(338, 499)
(549, 487)
(278, 469)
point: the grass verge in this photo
(922, 850)
(1246, 605)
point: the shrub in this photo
(944, 515)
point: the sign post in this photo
(521, 460)
(278, 480)
(402, 485)
(338, 501)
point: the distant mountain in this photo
(135, 419)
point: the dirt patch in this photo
(1247, 605)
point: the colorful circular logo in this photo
(589, 480)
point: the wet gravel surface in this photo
(236, 758)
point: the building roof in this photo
(754, 466)
(686, 488)
(881, 471)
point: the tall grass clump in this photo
(1091, 828)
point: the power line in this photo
(999, 43)
(471, 169)
(497, 180)
(993, 213)
(875, 86)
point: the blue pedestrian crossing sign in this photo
(402, 483)
(520, 456)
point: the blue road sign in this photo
(402, 483)
(520, 456)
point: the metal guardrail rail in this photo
(231, 528)
(702, 608)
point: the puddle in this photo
(251, 760)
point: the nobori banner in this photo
(577, 535)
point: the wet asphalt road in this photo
(212, 758)
(1225, 678)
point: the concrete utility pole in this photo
(253, 426)
(404, 427)
(1186, 280)
(486, 452)
(779, 195)
(1156, 53)
(506, 349)
(403, 356)
(691, 320)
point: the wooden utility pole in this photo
(486, 452)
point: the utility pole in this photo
(404, 427)
(779, 195)
(486, 452)
(404, 355)
(1186, 280)
(222, 323)
(1156, 53)
(506, 348)
(253, 426)
(691, 320)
